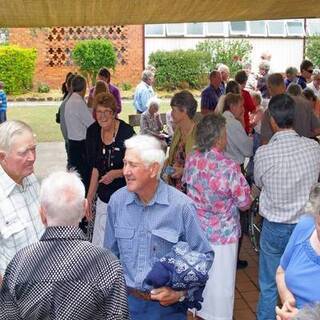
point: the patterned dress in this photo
(218, 188)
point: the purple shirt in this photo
(115, 92)
(210, 97)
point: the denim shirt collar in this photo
(160, 196)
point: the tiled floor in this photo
(247, 292)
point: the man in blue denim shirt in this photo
(145, 220)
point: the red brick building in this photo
(54, 46)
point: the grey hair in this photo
(222, 67)
(313, 204)
(10, 129)
(310, 312)
(146, 75)
(208, 131)
(316, 72)
(264, 65)
(148, 148)
(294, 89)
(153, 101)
(292, 71)
(62, 195)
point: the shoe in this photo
(242, 264)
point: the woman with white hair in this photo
(150, 121)
(314, 85)
(298, 275)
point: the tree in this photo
(313, 50)
(91, 55)
(232, 53)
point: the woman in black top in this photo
(106, 159)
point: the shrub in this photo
(179, 68)
(313, 50)
(91, 55)
(43, 88)
(17, 67)
(232, 53)
(126, 86)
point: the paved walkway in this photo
(51, 156)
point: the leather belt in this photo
(139, 294)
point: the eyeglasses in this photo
(310, 71)
(104, 113)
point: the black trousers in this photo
(78, 160)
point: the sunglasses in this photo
(310, 71)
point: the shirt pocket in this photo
(12, 227)
(124, 238)
(162, 242)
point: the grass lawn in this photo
(42, 118)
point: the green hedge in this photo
(180, 68)
(17, 67)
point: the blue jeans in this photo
(273, 241)
(3, 116)
(153, 310)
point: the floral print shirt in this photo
(218, 188)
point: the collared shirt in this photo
(305, 121)
(302, 82)
(150, 124)
(20, 223)
(285, 169)
(64, 277)
(239, 144)
(210, 97)
(142, 95)
(218, 188)
(141, 235)
(3, 101)
(77, 117)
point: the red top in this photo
(248, 107)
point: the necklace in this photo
(108, 150)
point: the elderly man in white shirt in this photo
(314, 85)
(284, 169)
(78, 118)
(20, 223)
(239, 144)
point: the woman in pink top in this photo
(219, 189)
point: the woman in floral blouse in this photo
(219, 190)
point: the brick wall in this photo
(128, 69)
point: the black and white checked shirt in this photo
(63, 277)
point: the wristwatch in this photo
(181, 299)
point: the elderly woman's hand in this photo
(288, 310)
(110, 176)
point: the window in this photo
(276, 28)
(175, 29)
(257, 28)
(216, 29)
(194, 29)
(313, 26)
(154, 30)
(238, 27)
(295, 28)
(4, 35)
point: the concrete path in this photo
(51, 156)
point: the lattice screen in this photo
(61, 40)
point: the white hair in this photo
(222, 68)
(146, 75)
(62, 196)
(153, 101)
(148, 148)
(309, 312)
(10, 129)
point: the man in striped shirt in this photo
(20, 224)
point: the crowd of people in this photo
(149, 225)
